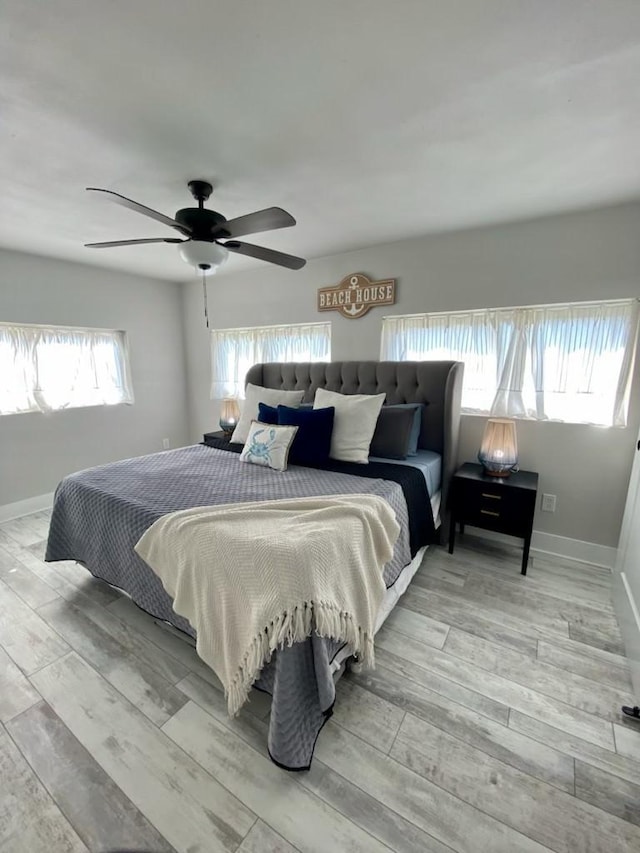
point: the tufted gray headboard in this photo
(438, 383)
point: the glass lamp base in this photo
(497, 469)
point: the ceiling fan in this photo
(204, 230)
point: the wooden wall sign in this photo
(356, 294)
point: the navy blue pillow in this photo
(312, 443)
(267, 414)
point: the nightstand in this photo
(502, 504)
(213, 439)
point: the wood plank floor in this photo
(491, 723)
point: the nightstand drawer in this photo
(504, 520)
(496, 507)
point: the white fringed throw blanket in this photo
(252, 577)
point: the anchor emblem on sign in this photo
(356, 294)
(354, 310)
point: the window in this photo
(234, 351)
(44, 368)
(569, 362)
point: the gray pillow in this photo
(392, 436)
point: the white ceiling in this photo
(369, 120)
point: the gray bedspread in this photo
(99, 515)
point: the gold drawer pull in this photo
(488, 512)
(495, 497)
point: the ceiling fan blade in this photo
(143, 209)
(262, 220)
(262, 254)
(111, 243)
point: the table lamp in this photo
(498, 452)
(229, 414)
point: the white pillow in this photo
(354, 422)
(255, 394)
(268, 445)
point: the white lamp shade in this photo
(201, 253)
(499, 449)
(229, 414)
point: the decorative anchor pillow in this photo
(268, 444)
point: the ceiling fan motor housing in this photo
(201, 222)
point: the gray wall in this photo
(592, 255)
(36, 449)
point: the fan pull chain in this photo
(204, 290)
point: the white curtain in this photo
(234, 351)
(44, 369)
(463, 336)
(569, 362)
(581, 362)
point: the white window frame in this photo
(234, 351)
(566, 362)
(49, 368)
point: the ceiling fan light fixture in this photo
(203, 255)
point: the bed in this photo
(101, 513)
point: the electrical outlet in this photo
(548, 503)
(165, 443)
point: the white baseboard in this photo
(574, 549)
(560, 546)
(25, 507)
